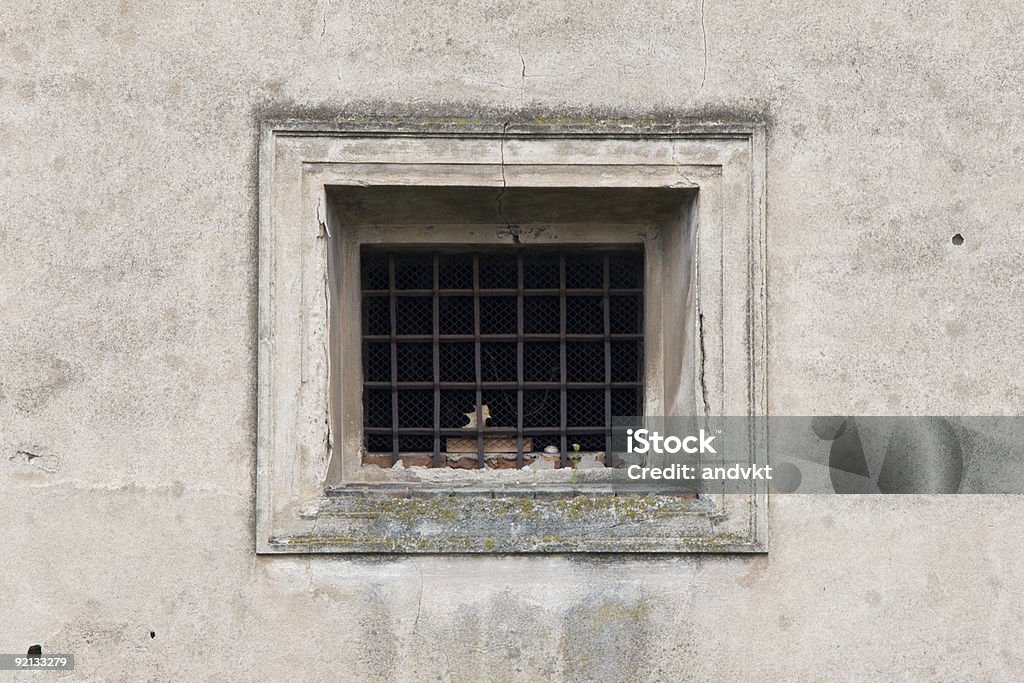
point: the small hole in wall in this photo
(152, 634)
(35, 650)
(958, 239)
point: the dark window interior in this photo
(497, 358)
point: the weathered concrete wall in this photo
(127, 335)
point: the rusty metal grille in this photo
(548, 342)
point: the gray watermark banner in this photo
(820, 455)
(40, 662)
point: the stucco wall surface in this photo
(128, 290)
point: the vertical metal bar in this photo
(479, 374)
(564, 456)
(437, 362)
(519, 359)
(642, 343)
(393, 302)
(607, 364)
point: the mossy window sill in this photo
(547, 519)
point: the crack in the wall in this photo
(419, 597)
(690, 182)
(322, 220)
(704, 42)
(43, 461)
(325, 229)
(510, 230)
(703, 363)
(522, 76)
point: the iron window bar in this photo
(548, 341)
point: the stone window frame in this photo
(309, 500)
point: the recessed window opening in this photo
(500, 357)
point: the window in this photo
(499, 358)
(451, 315)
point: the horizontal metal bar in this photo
(500, 337)
(503, 385)
(500, 292)
(471, 432)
